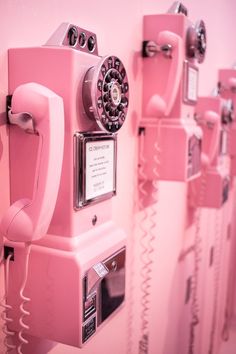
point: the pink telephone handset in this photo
(161, 105)
(213, 119)
(38, 110)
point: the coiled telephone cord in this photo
(155, 190)
(145, 285)
(5, 313)
(217, 266)
(131, 265)
(225, 328)
(148, 236)
(25, 300)
(195, 306)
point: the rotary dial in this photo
(197, 42)
(106, 93)
(227, 115)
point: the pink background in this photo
(118, 26)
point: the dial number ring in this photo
(109, 93)
(197, 41)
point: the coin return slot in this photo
(72, 36)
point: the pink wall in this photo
(30, 23)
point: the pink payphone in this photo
(169, 137)
(227, 90)
(172, 49)
(214, 115)
(66, 105)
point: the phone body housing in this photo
(172, 79)
(215, 178)
(82, 238)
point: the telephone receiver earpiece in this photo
(37, 109)
(213, 119)
(161, 105)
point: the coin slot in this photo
(82, 39)
(91, 43)
(72, 36)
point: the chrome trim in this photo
(80, 140)
(94, 277)
(60, 38)
(103, 269)
(178, 8)
(151, 48)
(227, 112)
(188, 65)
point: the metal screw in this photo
(94, 220)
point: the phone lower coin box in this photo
(211, 189)
(178, 152)
(81, 286)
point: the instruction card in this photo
(100, 168)
(192, 84)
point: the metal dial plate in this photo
(109, 93)
(227, 114)
(197, 41)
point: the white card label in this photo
(100, 162)
(192, 84)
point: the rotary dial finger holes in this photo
(110, 98)
(197, 41)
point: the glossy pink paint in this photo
(31, 24)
